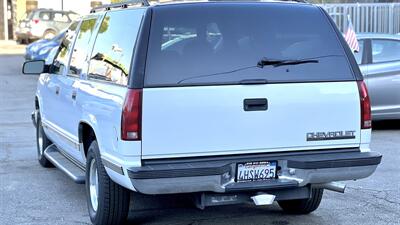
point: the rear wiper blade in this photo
(267, 62)
(276, 63)
(296, 62)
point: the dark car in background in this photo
(41, 49)
(43, 24)
(379, 61)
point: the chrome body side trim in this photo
(62, 133)
(113, 166)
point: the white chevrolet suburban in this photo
(232, 102)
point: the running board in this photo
(64, 164)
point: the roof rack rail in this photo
(301, 1)
(119, 5)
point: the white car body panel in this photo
(210, 120)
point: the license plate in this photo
(255, 171)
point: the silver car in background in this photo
(379, 61)
(43, 24)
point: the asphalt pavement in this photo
(30, 194)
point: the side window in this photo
(80, 51)
(358, 55)
(113, 49)
(61, 60)
(385, 51)
(45, 16)
(60, 17)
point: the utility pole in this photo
(62, 5)
(5, 18)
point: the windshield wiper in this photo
(276, 63)
(263, 62)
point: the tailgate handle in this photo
(255, 104)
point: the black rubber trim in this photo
(367, 51)
(336, 161)
(112, 166)
(366, 56)
(151, 173)
(173, 168)
(136, 76)
(225, 159)
(255, 104)
(33, 118)
(261, 185)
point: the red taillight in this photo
(35, 21)
(366, 120)
(132, 116)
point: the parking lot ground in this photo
(30, 194)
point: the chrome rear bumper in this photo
(295, 170)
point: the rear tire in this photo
(42, 142)
(303, 206)
(108, 202)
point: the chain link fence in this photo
(367, 18)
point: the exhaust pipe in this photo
(332, 186)
(263, 199)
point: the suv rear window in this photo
(221, 43)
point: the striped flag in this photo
(350, 37)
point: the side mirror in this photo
(35, 67)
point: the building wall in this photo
(20, 9)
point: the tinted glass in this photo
(358, 55)
(385, 51)
(113, 49)
(61, 17)
(80, 52)
(61, 60)
(45, 15)
(221, 43)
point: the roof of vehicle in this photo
(174, 2)
(378, 35)
(52, 10)
(146, 3)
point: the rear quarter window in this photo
(222, 43)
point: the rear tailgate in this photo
(211, 120)
(201, 71)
